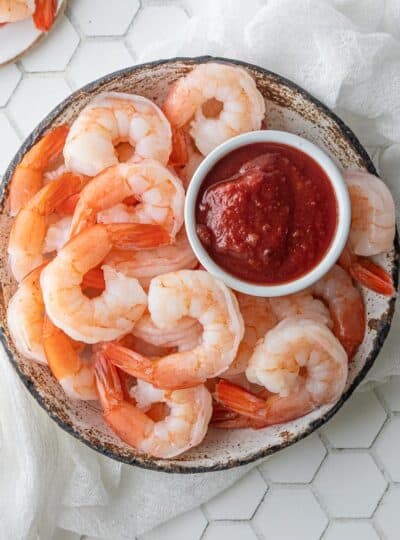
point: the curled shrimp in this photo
(217, 102)
(258, 318)
(114, 312)
(301, 362)
(25, 314)
(346, 307)
(28, 233)
(372, 231)
(112, 118)
(74, 372)
(28, 176)
(183, 427)
(195, 294)
(158, 192)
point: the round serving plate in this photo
(289, 108)
(19, 38)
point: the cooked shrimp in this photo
(74, 373)
(57, 234)
(346, 307)
(217, 101)
(159, 194)
(195, 294)
(16, 10)
(301, 362)
(145, 265)
(258, 319)
(28, 176)
(186, 158)
(184, 426)
(109, 119)
(28, 233)
(114, 312)
(44, 15)
(25, 314)
(184, 335)
(372, 231)
(302, 303)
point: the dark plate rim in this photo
(383, 324)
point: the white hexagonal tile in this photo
(298, 463)
(233, 531)
(350, 484)
(387, 447)
(357, 423)
(9, 78)
(49, 55)
(189, 525)
(387, 517)
(350, 530)
(390, 392)
(155, 28)
(35, 97)
(96, 58)
(240, 500)
(9, 142)
(107, 19)
(289, 513)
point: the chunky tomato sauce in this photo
(266, 213)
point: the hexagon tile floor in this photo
(340, 484)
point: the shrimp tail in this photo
(179, 155)
(94, 279)
(129, 361)
(108, 382)
(239, 400)
(44, 14)
(28, 175)
(372, 276)
(137, 235)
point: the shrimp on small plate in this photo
(301, 363)
(114, 312)
(42, 11)
(195, 294)
(27, 242)
(29, 174)
(158, 192)
(373, 227)
(25, 314)
(216, 102)
(66, 361)
(112, 118)
(184, 425)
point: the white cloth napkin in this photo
(345, 52)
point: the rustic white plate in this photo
(19, 37)
(288, 108)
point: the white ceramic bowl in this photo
(343, 209)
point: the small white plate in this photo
(19, 37)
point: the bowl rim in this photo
(340, 235)
(382, 328)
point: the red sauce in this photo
(266, 213)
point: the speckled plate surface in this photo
(289, 108)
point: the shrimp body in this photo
(159, 194)
(258, 318)
(302, 303)
(185, 335)
(301, 362)
(109, 119)
(217, 101)
(72, 371)
(114, 312)
(195, 294)
(145, 265)
(373, 219)
(16, 10)
(28, 234)
(346, 307)
(184, 426)
(28, 176)
(25, 314)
